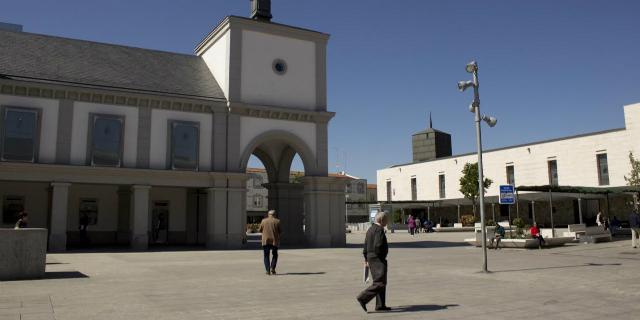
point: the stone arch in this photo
(290, 146)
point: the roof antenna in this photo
(430, 121)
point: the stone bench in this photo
(524, 243)
(23, 253)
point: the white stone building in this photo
(598, 159)
(153, 146)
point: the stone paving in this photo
(432, 276)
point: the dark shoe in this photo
(268, 273)
(273, 272)
(385, 308)
(363, 305)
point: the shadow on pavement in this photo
(562, 267)
(301, 273)
(421, 308)
(64, 275)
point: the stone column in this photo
(140, 217)
(324, 211)
(226, 213)
(59, 212)
(288, 201)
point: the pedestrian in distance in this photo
(270, 229)
(375, 257)
(23, 220)
(418, 225)
(599, 219)
(83, 224)
(634, 224)
(535, 233)
(411, 223)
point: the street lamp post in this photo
(472, 67)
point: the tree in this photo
(469, 183)
(634, 176)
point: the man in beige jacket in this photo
(270, 229)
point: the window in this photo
(553, 172)
(88, 207)
(388, 190)
(11, 206)
(441, 186)
(511, 175)
(106, 141)
(348, 188)
(184, 145)
(361, 188)
(20, 133)
(257, 201)
(603, 169)
(414, 189)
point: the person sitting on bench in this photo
(498, 236)
(535, 233)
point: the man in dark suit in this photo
(375, 256)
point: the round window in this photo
(279, 66)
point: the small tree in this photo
(469, 184)
(634, 176)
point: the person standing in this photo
(375, 257)
(23, 220)
(84, 223)
(270, 229)
(634, 224)
(411, 223)
(418, 225)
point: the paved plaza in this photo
(432, 276)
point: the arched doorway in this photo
(277, 151)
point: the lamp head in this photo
(491, 121)
(463, 85)
(472, 67)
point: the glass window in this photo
(19, 136)
(184, 146)
(88, 208)
(257, 201)
(414, 189)
(11, 207)
(361, 188)
(553, 172)
(511, 175)
(603, 169)
(388, 190)
(106, 141)
(348, 187)
(441, 186)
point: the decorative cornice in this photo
(271, 112)
(112, 97)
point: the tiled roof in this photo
(49, 58)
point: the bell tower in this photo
(261, 10)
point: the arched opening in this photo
(276, 169)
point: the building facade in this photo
(152, 147)
(599, 159)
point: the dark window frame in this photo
(442, 187)
(93, 118)
(170, 149)
(511, 178)
(553, 181)
(414, 188)
(89, 199)
(601, 177)
(389, 191)
(37, 132)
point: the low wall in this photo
(23, 253)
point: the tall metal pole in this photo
(580, 209)
(476, 103)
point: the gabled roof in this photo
(39, 57)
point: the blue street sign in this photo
(507, 194)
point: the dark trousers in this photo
(378, 288)
(540, 240)
(270, 265)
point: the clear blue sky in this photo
(547, 68)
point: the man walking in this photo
(270, 229)
(375, 255)
(634, 224)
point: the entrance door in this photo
(160, 222)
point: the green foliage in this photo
(490, 223)
(296, 177)
(467, 220)
(469, 183)
(397, 216)
(519, 223)
(634, 176)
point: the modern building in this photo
(597, 160)
(356, 195)
(153, 146)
